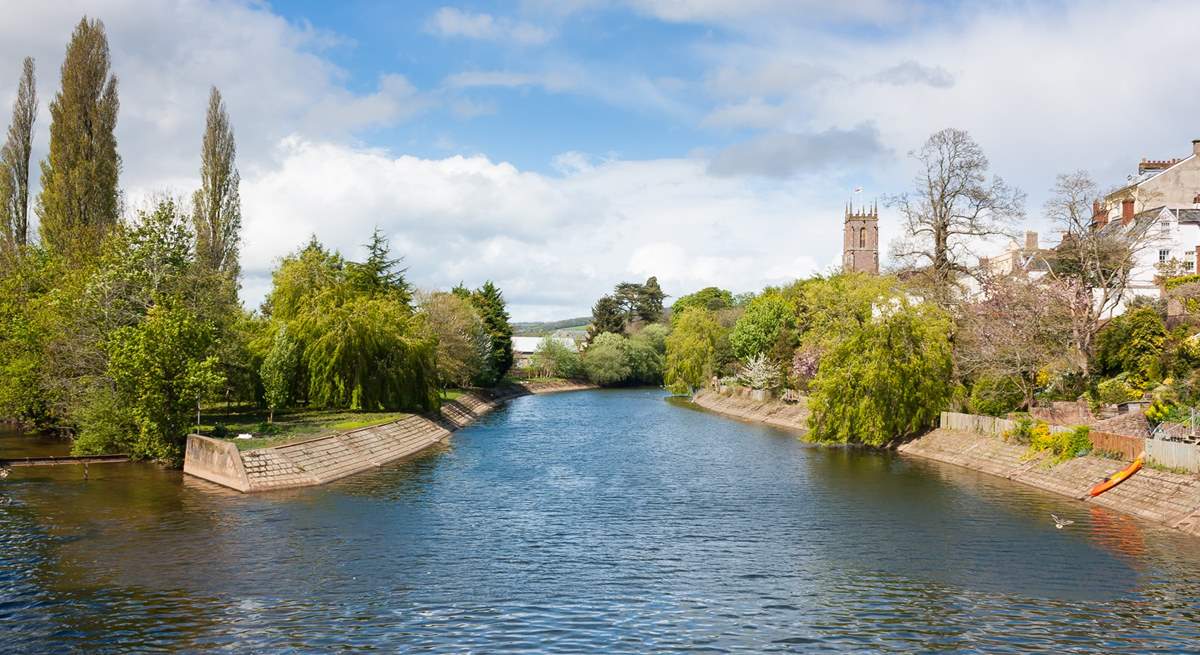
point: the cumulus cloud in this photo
(454, 22)
(553, 243)
(784, 154)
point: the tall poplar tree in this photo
(216, 206)
(79, 201)
(14, 163)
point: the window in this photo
(1188, 265)
(862, 237)
(1163, 256)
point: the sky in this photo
(559, 147)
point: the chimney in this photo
(1196, 147)
(1099, 215)
(1127, 211)
(1196, 201)
(1031, 241)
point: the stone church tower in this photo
(860, 248)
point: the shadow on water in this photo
(600, 521)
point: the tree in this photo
(1016, 330)
(710, 298)
(554, 357)
(161, 368)
(766, 317)
(953, 206)
(79, 202)
(14, 164)
(1095, 262)
(649, 303)
(463, 344)
(1133, 343)
(278, 372)
(692, 351)
(886, 379)
(489, 302)
(607, 360)
(216, 205)
(607, 317)
(759, 373)
(380, 273)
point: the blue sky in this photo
(559, 147)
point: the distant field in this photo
(536, 329)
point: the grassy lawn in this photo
(294, 425)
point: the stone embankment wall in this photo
(1167, 498)
(791, 416)
(331, 457)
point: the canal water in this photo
(607, 521)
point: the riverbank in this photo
(1170, 499)
(335, 456)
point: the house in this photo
(1163, 203)
(525, 347)
(1025, 257)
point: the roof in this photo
(530, 344)
(1146, 176)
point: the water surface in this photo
(610, 522)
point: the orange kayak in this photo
(1117, 478)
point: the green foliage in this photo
(161, 369)
(555, 358)
(463, 344)
(767, 316)
(995, 396)
(1133, 343)
(692, 350)
(1115, 391)
(710, 298)
(79, 201)
(886, 379)
(1061, 445)
(613, 359)
(278, 372)
(1022, 432)
(216, 205)
(106, 424)
(489, 302)
(607, 317)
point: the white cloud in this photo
(454, 22)
(553, 244)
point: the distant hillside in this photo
(536, 329)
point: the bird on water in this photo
(1060, 523)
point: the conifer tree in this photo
(489, 302)
(216, 205)
(79, 201)
(14, 163)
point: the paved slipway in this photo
(335, 456)
(1165, 498)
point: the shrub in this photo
(1022, 433)
(1115, 391)
(996, 396)
(1062, 445)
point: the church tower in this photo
(860, 248)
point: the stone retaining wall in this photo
(331, 457)
(772, 412)
(1167, 498)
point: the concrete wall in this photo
(771, 412)
(216, 461)
(335, 456)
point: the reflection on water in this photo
(594, 521)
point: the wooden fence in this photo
(1174, 454)
(1128, 447)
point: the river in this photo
(599, 521)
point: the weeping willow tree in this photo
(885, 379)
(362, 345)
